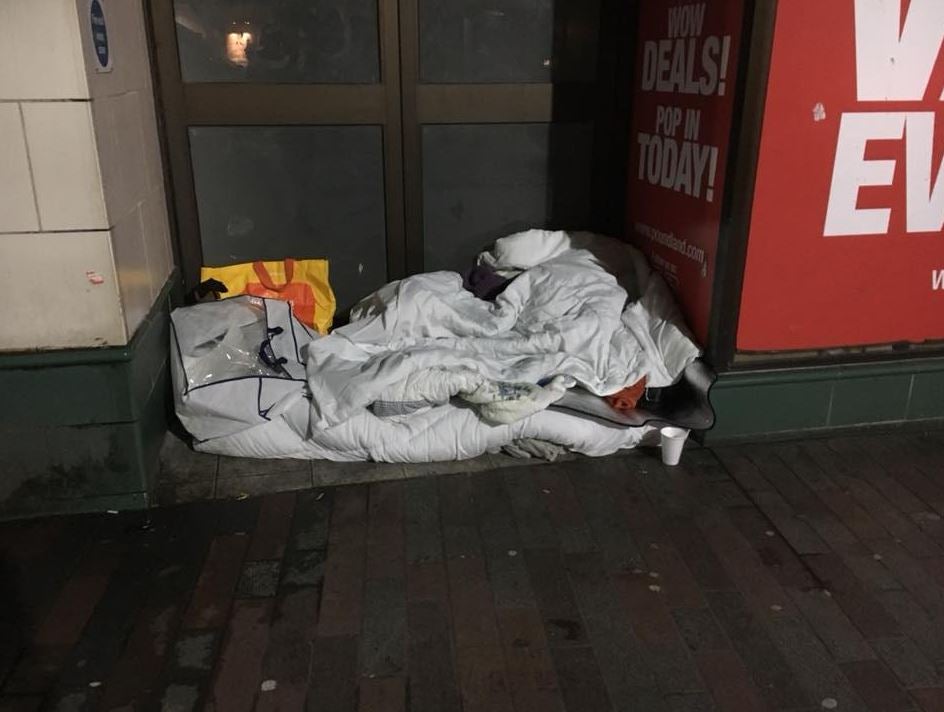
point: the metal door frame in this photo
(272, 104)
(401, 105)
(599, 101)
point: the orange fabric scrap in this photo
(627, 398)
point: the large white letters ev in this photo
(895, 62)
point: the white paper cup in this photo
(673, 442)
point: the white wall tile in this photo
(40, 50)
(127, 44)
(59, 291)
(152, 145)
(131, 263)
(65, 166)
(17, 205)
(157, 240)
(119, 137)
(94, 164)
(131, 140)
(104, 123)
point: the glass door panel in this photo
(298, 41)
(265, 193)
(511, 177)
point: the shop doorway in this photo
(390, 136)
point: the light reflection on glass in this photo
(237, 42)
(277, 41)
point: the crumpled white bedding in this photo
(582, 309)
(564, 315)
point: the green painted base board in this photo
(780, 403)
(82, 429)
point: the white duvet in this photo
(582, 309)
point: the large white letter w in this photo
(894, 62)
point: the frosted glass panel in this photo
(306, 41)
(508, 41)
(483, 182)
(296, 191)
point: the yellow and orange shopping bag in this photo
(302, 283)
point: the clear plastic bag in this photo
(233, 353)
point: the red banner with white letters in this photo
(846, 245)
(686, 71)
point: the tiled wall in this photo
(84, 239)
(782, 403)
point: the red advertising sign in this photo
(686, 69)
(845, 245)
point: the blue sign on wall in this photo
(99, 36)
